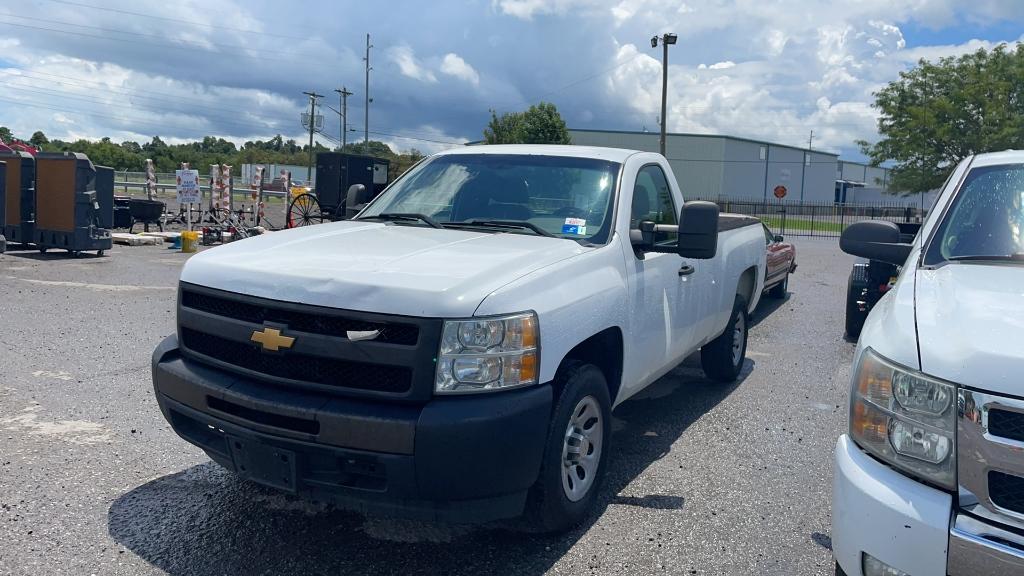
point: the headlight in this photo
(484, 354)
(905, 418)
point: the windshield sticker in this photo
(576, 226)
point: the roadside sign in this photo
(780, 192)
(187, 186)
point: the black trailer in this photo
(344, 184)
(69, 209)
(869, 281)
(18, 221)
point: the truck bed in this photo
(728, 222)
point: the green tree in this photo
(38, 139)
(940, 112)
(540, 124)
(5, 134)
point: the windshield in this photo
(986, 219)
(562, 196)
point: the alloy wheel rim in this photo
(738, 330)
(581, 450)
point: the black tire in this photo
(718, 358)
(304, 210)
(99, 252)
(780, 290)
(854, 317)
(549, 509)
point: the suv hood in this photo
(970, 318)
(376, 267)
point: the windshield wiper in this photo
(519, 224)
(404, 217)
(1018, 257)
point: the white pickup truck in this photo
(455, 351)
(930, 479)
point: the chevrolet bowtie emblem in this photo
(271, 339)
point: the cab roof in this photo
(597, 152)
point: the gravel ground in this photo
(703, 479)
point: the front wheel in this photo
(576, 450)
(722, 358)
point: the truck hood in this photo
(970, 318)
(376, 267)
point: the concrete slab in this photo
(135, 239)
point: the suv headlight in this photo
(905, 418)
(485, 354)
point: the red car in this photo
(781, 261)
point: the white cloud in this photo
(409, 66)
(527, 9)
(453, 65)
(722, 65)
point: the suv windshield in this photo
(986, 219)
(561, 196)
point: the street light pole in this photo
(666, 40)
(366, 96)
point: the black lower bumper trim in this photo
(462, 459)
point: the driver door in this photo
(657, 292)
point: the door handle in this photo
(686, 270)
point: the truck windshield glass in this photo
(986, 219)
(562, 196)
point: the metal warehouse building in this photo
(717, 166)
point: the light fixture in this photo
(670, 38)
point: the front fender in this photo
(574, 299)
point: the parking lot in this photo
(703, 479)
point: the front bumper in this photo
(462, 459)
(909, 525)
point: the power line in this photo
(168, 19)
(163, 44)
(269, 122)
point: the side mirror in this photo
(778, 238)
(875, 240)
(698, 230)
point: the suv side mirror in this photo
(698, 230)
(875, 240)
(777, 238)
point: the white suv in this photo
(930, 478)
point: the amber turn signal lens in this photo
(869, 423)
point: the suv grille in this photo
(1006, 424)
(314, 323)
(1006, 491)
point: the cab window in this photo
(652, 200)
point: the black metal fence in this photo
(826, 219)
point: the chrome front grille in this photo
(990, 457)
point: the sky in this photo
(767, 69)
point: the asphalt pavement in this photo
(702, 478)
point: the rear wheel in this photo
(854, 316)
(722, 358)
(574, 456)
(304, 210)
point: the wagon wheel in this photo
(304, 210)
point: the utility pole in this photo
(810, 139)
(343, 94)
(312, 126)
(366, 105)
(666, 40)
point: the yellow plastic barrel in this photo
(189, 241)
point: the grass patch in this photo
(804, 224)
